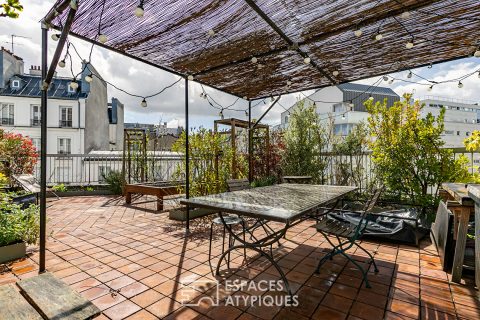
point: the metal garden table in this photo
(284, 204)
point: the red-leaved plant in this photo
(17, 154)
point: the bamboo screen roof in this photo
(175, 35)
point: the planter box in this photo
(13, 252)
(180, 214)
(25, 200)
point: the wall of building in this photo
(10, 64)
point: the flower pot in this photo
(12, 252)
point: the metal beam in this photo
(56, 11)
(322, 36)
(187, 156)
(272, 24)
(265, 113)
(250, 145)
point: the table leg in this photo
(128, 198)
(159, 203)
(463, 218)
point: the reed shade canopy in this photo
(215, 41)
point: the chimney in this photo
(35, 71)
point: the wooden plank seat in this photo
(13, 305)
(159, 189)
(238, 184)
(54, 299)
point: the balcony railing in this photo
(35, 122)
(65, 123)
(6, 121)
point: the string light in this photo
(56, 36)
(139, 11)
(358, 33)
(390, 81)
(335, 73)
(385, 78)
(190, 77)
(89, 78)
(102, 38)
(409, 44)
(307, 60)
(254, 60)
(410, 74)
(221, 114)
(430, 66)
(245, 98)
(460, 84)
(289, 83)
(62, 63)
(211, 32)
(430, 88)
(477, 53)
(343, 116)
(246, 113)
(144, 103)
(378, 37)
(74, 84)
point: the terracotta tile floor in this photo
(134, 263)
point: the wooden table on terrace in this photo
(462, 206)
(286, 204)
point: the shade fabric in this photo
(215, 40)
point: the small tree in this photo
(17, 153)
(407, 150)
(305, 139)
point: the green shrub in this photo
(59, 188)
(264, 181)
(17, 224)
(114, 180)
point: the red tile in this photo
(122, 310)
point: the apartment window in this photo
(467, 133)
(286, 119)
(35, 115)
(448, 131)
(15, 84)
(65, 117)
(6, 114)
(64, 146)
(36, 143)
(458, 133)
(103, 171)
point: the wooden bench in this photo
(158, 189)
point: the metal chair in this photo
(231, 219)
(347, 234)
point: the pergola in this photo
(260, 48)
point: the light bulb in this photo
(221, 114)
(211, 32)
(245, 98)
(390, 81)
(102, 38)
(61, 64)
(289, 83)
(74, 84)
(479, 74)
(409, 45)
(370, 98)
(307, 60)
(343, 116)
(430, 88)
(358, 33)
(405, 15)
(335, 73)
(351, 105)
(190, 77)
(378, 37)
(144, 103)
(460, 84)
(55, 36)
(430, 66)
(409, 75)
(260, 66)
(385, 78)
(139, 11)
(254, 60)
(477, 53)
(89, 78)
(246, 113)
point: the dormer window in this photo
(15, 84)
(71, 90)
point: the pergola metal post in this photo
(187, 158)
(250, 145)
(43, 152)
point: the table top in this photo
(297, 177)
(282, 202)
(459, 191)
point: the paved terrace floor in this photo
(134, 263)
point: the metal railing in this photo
(65, 123)
(35, 122)
(88, 169)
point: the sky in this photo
(141, 79)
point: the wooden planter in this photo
(13, 252)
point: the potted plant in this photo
(18, 227)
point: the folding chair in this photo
(347, 234)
